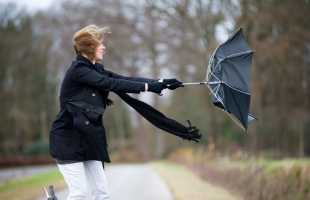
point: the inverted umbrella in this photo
(228, 78)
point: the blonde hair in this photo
(87, 39)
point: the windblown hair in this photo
(87, 39)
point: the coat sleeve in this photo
(138, 79)
(91, 77)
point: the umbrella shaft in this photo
(202, 83)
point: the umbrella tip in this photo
(189, 123)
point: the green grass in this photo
(30, 187)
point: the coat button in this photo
(86, 122)
(93, 94)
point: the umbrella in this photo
(228, 78)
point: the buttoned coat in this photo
(78, 132)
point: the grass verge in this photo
(30, 188)
(185, 185)
(254, 179)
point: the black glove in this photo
(172, 83)
(193, 133)
(156, 87)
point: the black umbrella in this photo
(228, 78)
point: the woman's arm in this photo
(100, 67)
(171, 83)
(86, 75)
(138, 79)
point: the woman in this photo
(77, 137)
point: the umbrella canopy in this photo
(228, 78)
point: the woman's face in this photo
(100, 51)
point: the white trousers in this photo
(84, 179)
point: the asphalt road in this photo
(17, 172)
(132, 182)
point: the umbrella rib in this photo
(215, 93)
(238, 54)
(215, 82)
(217, 98)
(217, 88)
(215, 77)
(231, 56)
(237, 89)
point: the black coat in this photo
(78, 132)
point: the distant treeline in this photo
(161, 39)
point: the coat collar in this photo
(84, 60)
(88, 62)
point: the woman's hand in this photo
(172, 83)
(155, 87)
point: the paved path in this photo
(17, 172)
(132, 182)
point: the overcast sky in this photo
(32, 5)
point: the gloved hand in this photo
(193, 133)
(172, 83)
(156, 87)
